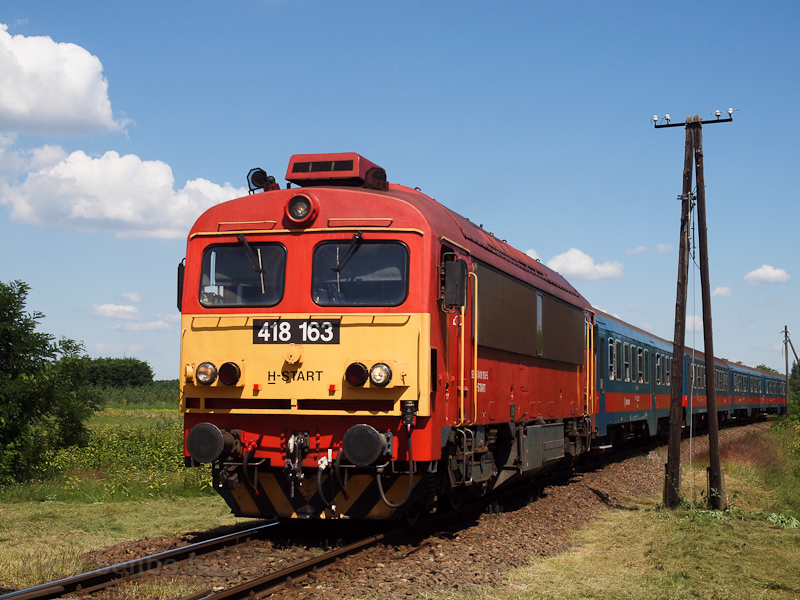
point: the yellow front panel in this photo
(306, 378)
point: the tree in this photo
(764, 367)
(119, 372)
(44, 401)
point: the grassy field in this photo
(751, 550)
(130, 483)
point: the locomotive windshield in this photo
(360, 273)
(244, 274)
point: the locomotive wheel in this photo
(412, 514)
(454, 500)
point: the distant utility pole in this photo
(694, 146)
(787, 342)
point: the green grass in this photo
(135, 417)
(127, 483)
(751, 550)
(159, 394)
(660, 554)
(136, 456)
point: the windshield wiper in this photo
(348, 254)
(255, 259)
(351, 249)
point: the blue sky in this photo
(121, 123)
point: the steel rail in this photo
(271, 582)
(107, 576)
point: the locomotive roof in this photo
(361, 189)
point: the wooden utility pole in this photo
(788, 343)
(694, 146)
(716, 493)
(672, 481)
(786, 354)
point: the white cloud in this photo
(52, 88)
(694, 323)
(115, 311)
(102, 348)
(131, 297)
(144, 326)
(766, 275)
(577, 264)
(533, 254)
(722, 292)
(660, 249)
(132, 197)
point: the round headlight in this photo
(356, 374)
(206, 373)
(229, 373)
(301, 209)
(380, 374)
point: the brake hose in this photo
(410, 477)
(336, 476)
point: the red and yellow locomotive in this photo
(352, 348)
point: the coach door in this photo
(458, 338)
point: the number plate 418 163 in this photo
(296, 331)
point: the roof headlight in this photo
(301, 209)
(206, 373)
(380, 374)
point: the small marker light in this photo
(229, 373)
(356, 374)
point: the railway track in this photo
(267, 584)
(264, 585)
(99, 579)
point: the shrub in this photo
(119, 372)
(43, 399)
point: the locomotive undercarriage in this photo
(475, 461)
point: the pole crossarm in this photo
(662, 125)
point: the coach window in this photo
(647, 366)
(358, 272)
(610, 359)
(668, 368)
(658, 368)
(640, 364)
(627, 359)
(618, 359)
(243, 274)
